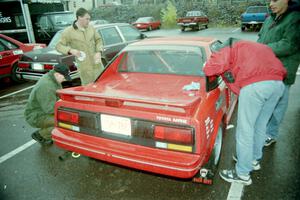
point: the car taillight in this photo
(68, 116)
(47, 66)
(172, 134)
(23, 65)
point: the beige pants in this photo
(89, 74)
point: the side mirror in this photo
(212, 82)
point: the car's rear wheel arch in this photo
(215, 147)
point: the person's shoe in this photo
(37, 137)
(269, 141)
(255, 163)
(232, 177)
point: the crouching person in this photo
(39, 111)
(252, 71)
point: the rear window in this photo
(130, 33)
(110, 36)
(55, 40)
(164, 60)
(262, 9)
(195, 14)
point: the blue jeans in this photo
(257, 102)
(278, 114)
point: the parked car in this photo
(193, 20)
(152, 109)
(254, 17)
(10, 52)
(98, 21)
(47, 24)
(115, 37)
(147, 23)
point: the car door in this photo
(9, 53)
(112, 42)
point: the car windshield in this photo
(144, 19)
(62, 19)
(194, 13)
(180, 60)
(55, 39)
(262, 9)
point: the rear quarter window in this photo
(130, 33)
(110, 36)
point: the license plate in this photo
(37, 66)
(117, 125)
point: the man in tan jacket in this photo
(85, 43)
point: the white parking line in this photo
(7, 95)
(16, 151)
(236, 191)
(235, 30)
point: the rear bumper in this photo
(187, 24)
(36, 76)
(252, 23)
(170, 163)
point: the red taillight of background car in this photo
(67, 116)
(172, 134)
(23, 65)
(47, 66)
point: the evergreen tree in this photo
(169, 15)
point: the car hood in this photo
(48, 55)
(144, 88)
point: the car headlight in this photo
(37, 66)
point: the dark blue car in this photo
(254, 17)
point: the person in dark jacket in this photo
(252, 71)
(281, 32)
(39, 111)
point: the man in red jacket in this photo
(252, 71)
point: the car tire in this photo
(182, 29)
(206, 26)
(215, 155)
(243, 28)
(14, 76)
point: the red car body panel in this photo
(148, 100)
(12, 52)
(147, 24)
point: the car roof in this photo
(109, 25)
(175, 40)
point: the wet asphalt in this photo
(38, 173)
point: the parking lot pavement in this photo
(37, 173)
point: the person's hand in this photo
(97, 58)
(75, 52)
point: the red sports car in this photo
(10, 52)
(151, 109)
(147, 23)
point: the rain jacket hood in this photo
(246, 61)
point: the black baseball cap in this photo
(64, 70)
